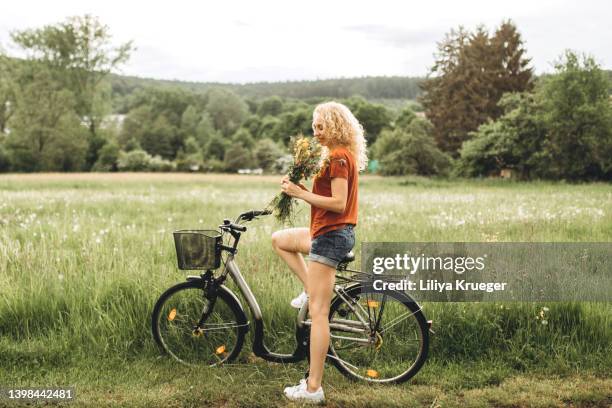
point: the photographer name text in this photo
(432, 285)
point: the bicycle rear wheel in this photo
(197, 330)
(377, 337)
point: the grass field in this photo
(83, 257)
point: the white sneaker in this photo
(300, 301)
(300, 393)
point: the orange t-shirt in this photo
(341, 164)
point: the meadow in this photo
(83, 258)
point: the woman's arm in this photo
(300, 185)
(335, 203)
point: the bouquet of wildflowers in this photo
(306, 156)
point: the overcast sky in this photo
(247, 41)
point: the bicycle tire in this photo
(174, 321)
(414, 317)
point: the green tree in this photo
(215, 148)
(272, 106)
(226, 109)
(514, 141)
(5, 160)
(148, 104)
(443, 99)
(171, 102)
(244, 138)
(205, 130)
(190, 120)
(266, 153)
(471, 73)
(373, 117)
(135, 124)
(252, 105)
(410, 150)
(270, 128)
(7, 91)
(512, 71)
(79, 54)
(6, 99)
(136, 160)
(405, 117)
(291, 123)
(237, 157)
(578, 119)
(253, 125)
(214, 166)
(158, 138)
(46, 134)
(191, 158)
(108, 157)
(157, 163)
(192, 146)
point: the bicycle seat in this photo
(350, 257)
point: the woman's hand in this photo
(289, 188)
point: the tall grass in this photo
(84, 258)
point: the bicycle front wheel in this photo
(196, 330)
(377, 337)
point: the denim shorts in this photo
(331, 247)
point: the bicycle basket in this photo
(198, 249)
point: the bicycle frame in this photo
(302, 327)
(259, 347)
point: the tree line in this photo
(57, 114)
(392, 87)
(479, 111)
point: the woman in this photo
(330, 237)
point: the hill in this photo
(394, 87)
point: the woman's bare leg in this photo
(290, 244)
(321, 279)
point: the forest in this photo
(481, 111)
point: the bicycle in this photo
(201, 321)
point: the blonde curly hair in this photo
(345, 130)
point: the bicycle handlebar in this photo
(234, 228)
(250, 215)
(246, 216)
(237, 227)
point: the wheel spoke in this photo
(398, 320)
(380, 314)
(221, 326)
